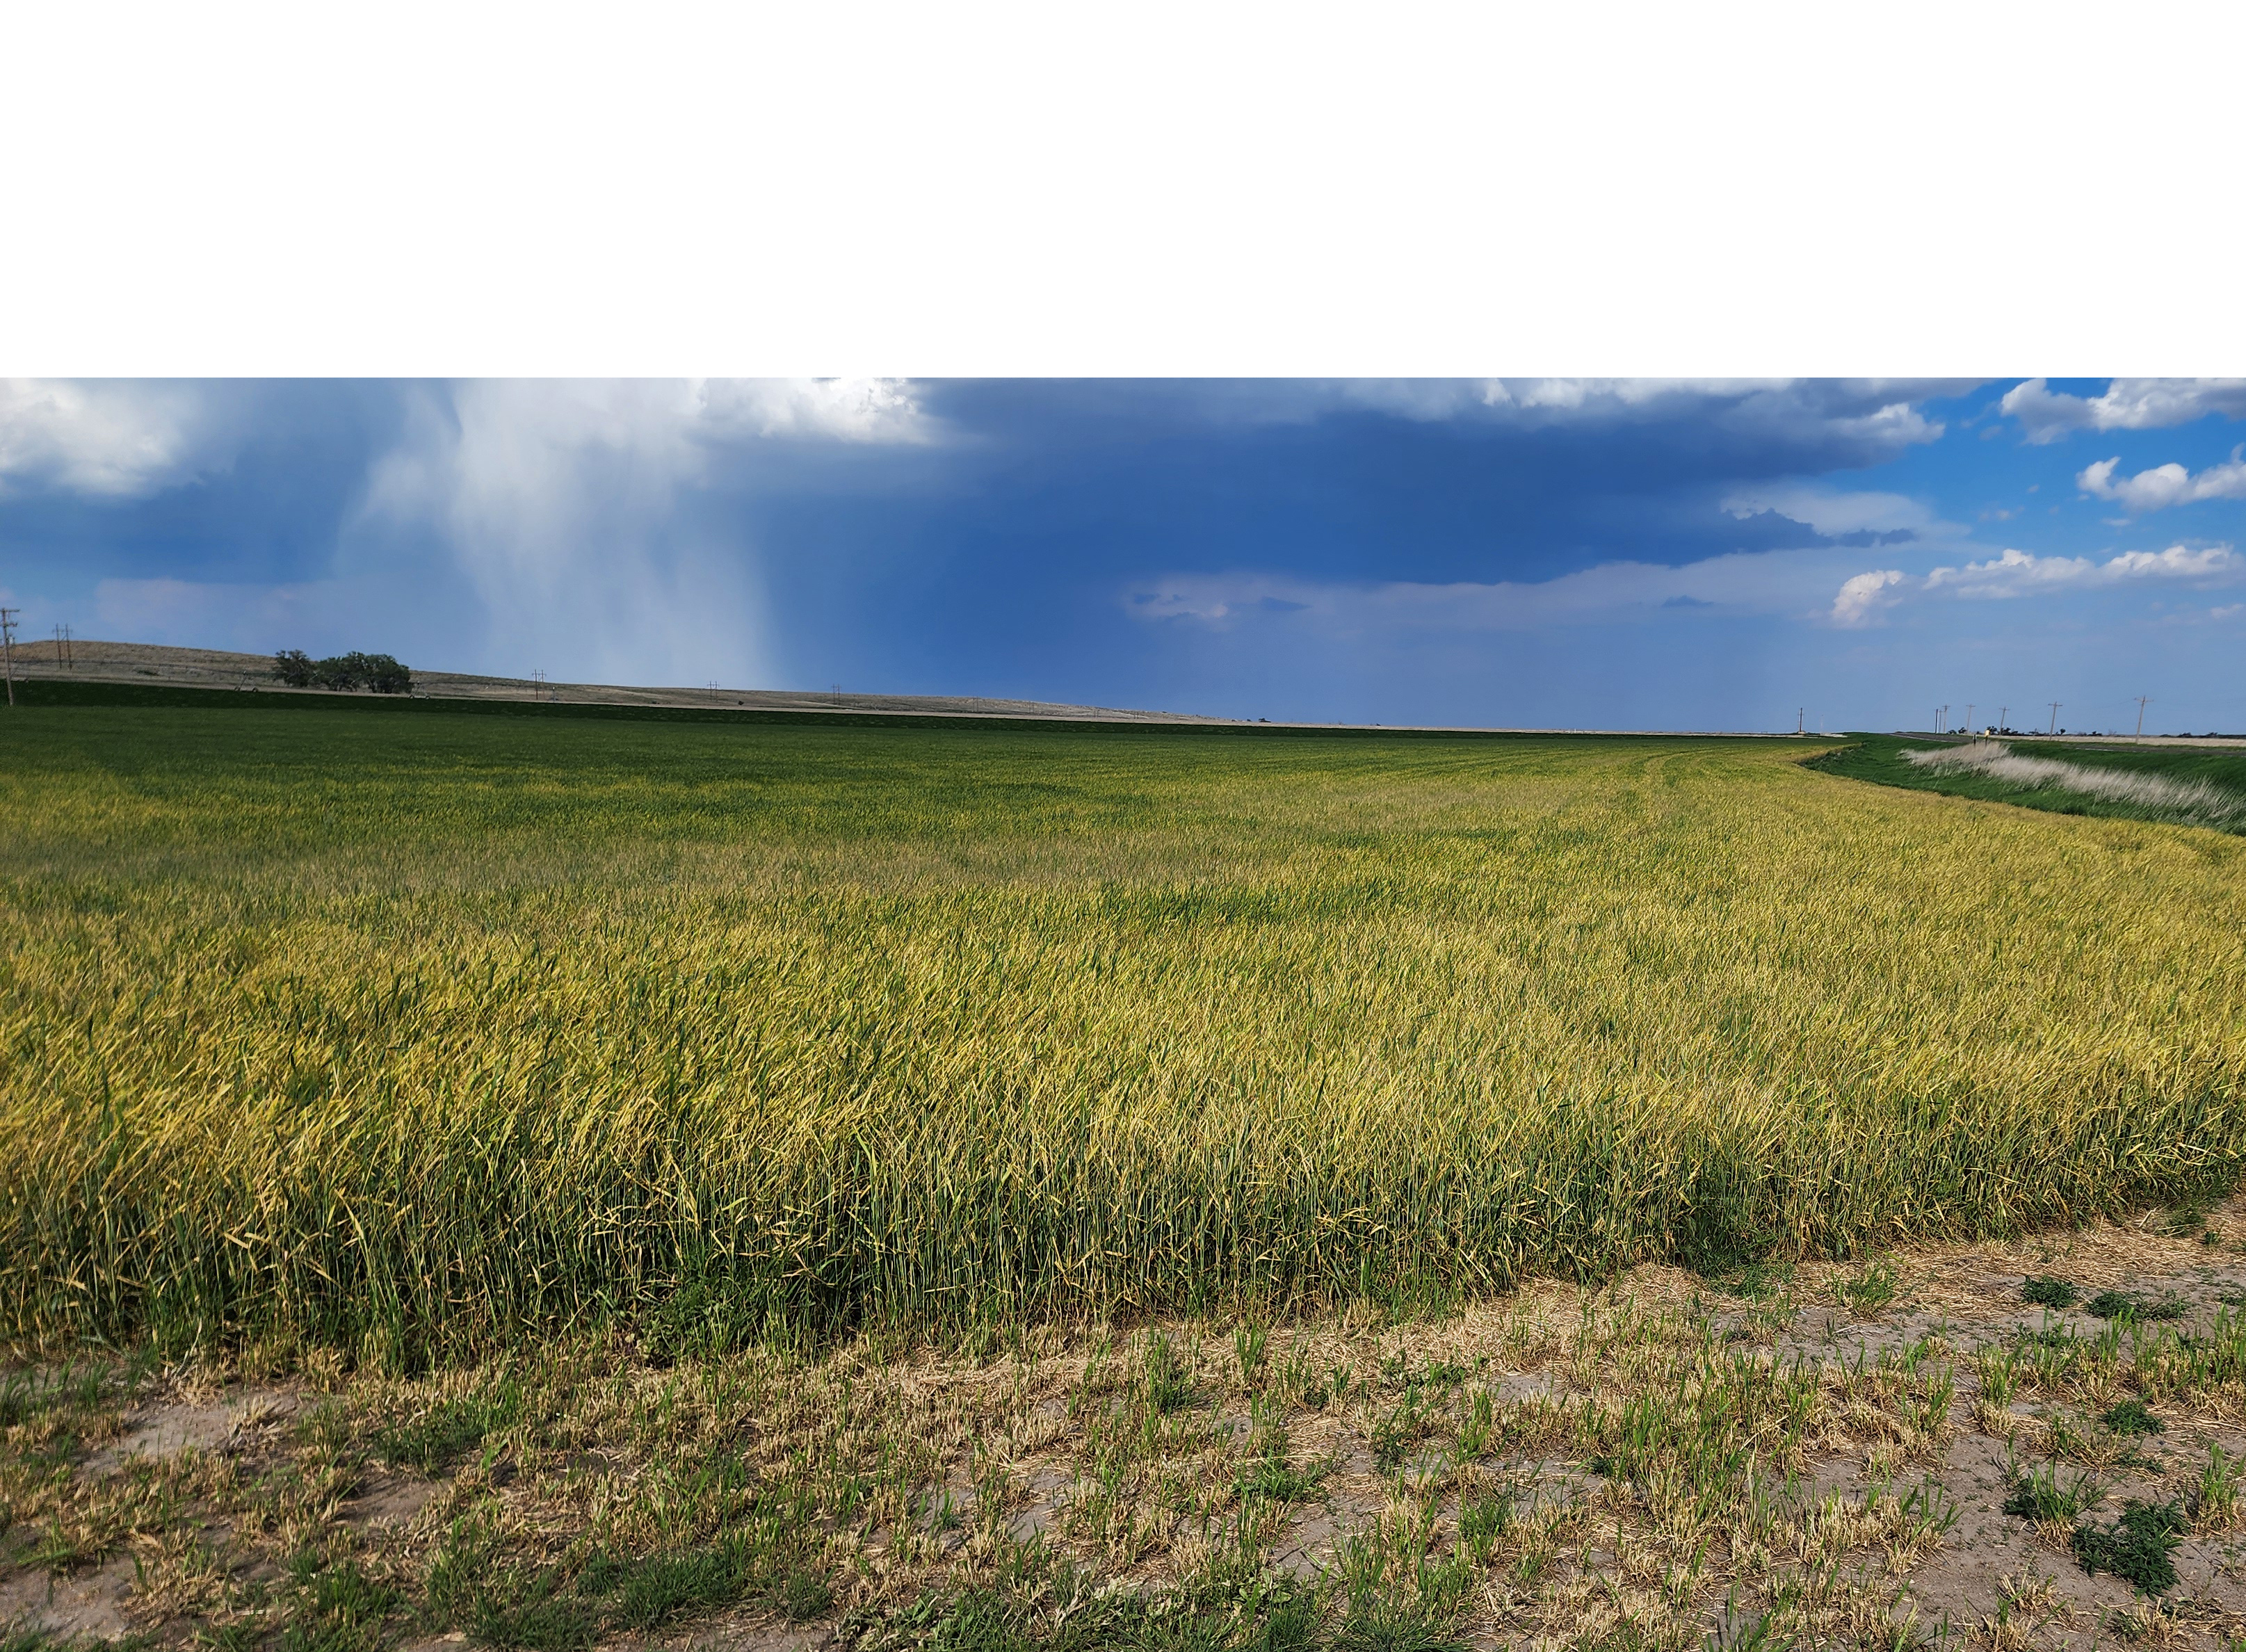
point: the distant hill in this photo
(145, 663)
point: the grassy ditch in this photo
(2171, 785)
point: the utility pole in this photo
(8, 646)
(63, 647)
(2143, 700)
(2002, 711)
(2054, 716)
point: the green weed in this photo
(2130, 1416)
(2117, 1305)
(2136, 1546)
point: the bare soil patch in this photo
(1834, 1453)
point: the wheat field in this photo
(415, 1035)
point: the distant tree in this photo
(339, 671)
(386, 676)
(345, 673)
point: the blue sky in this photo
(1658, 553)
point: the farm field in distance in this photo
(497, 1101)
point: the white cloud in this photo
(1879, 408)
(2023, 574)
(2127, 403)
(2217, 562)
(1862, 596)
(125, 440)
(113, 440)
(1834, 513)
(531, 524)
(1545, 401)
(558, 505)
(1767, 583)
(849, 410)
(1895, 425)
(567, 509)
(1880, 413)
(1596, 396)
(2165, 484)
(2013, 574)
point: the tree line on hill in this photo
(377, 673)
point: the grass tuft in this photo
(2038, 1495)
(1167, 1377)
(338, 1609)
(439, 1437)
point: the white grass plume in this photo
(2198, 802)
